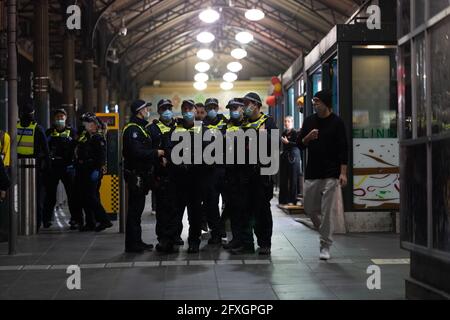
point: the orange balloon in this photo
(271, 101)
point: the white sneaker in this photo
(324, 253)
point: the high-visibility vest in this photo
(256, 124)
(131, 124)
(5, 148)
(64, 134)
(82, 138)
(163, 128)
(232, 127)
(195, 129)
(217, 126)
(25, 139)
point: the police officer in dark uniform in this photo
(139, 161)
(185, 177)
(234, 185)
(32, 143)
(214, 175)
(61, 141)
(160, 132)
(90, 161)
(257, 215)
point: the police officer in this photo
(160, 132)
(32, 143)
(257, 215)
(185, 178)
(214, 175)
(235, 186)
(139, 161)
(61, 141)
(90, 161)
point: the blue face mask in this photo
(167, 115)
(235, 115)
(248, 111)
(212, 114)
(60, 123)
(188, 116)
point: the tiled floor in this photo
(292, 272)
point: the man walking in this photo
(323, 134)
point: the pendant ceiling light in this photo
(205, 54)
(254, 14)
(230, 77)
(238, 53)
(205, 37)
(244, 37)
(209, 16)
(202, 66)
(234, 66)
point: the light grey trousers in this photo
(322, 203)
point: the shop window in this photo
(440, 77)
(421, 85)
(441, 195)
(437, 6)
(414, 195)
(405, 92)
(317, 81)
(334, 85)
(420, 12)
(373, 114)
(405, 17)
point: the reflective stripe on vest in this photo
(64, 134)
(256, 124)
(136, 125)
(82, 138)
(218, 126)
(163, 128)
(233, 128)
(180, 128)
(25, 138)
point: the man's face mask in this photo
(235, 114)
(167, 115)
(212, 114)
(188, 116)
(249, 110)
(60, 122)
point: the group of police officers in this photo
(148, 163)
(77, 158)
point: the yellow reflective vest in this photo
(5, 148)
(25, 139)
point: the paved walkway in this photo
(292, 272)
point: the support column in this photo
(3, 67)
(101, 91)
(88, 58)
(12, 121)
(41, 65)
(69, 77)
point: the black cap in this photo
(237, 102)
(326, 97)
(191, 103)
(164, 103)
(28, 108)
(61, 110)
(254, 97)
(138, 105)
(211, 101)
(88, 117)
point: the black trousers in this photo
(235, 192)
(289, 177)
(257, 215)
(59, 174)
(213, 186)
(188, 195)
(166, 223)
(136, 205)
(91, 198)
(40, 197)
